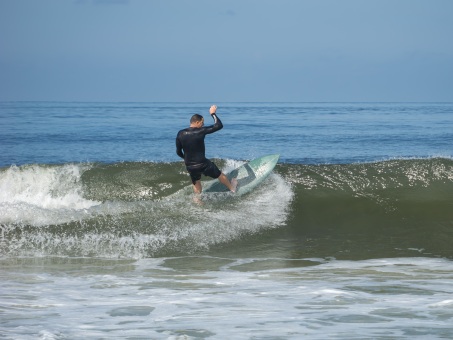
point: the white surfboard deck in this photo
(248, 175)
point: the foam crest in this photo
(30, 192)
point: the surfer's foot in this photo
(234, 184)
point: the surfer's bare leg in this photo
(230, 185)
(197, 187)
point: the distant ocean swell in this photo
(136, 210)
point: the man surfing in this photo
(190, 146)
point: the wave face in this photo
(390, 208)
(141, 209)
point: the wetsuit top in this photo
(190, 143)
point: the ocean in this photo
(350, 237)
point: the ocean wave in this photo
(138, 209)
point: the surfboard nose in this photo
(271, 158)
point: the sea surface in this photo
(351, 236)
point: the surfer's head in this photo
(196, 120)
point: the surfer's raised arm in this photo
(217, 122)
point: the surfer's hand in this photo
(213, 109)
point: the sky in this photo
(226, 50)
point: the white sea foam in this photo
(134, 229)
(206, 296)
(39, 195)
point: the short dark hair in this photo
(196, 118)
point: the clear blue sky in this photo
(232, 50)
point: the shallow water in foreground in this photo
(218, 297)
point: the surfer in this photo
(190, 146)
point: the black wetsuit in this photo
(190, 146)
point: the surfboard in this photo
(248, 175)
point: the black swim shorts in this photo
(208, 169)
